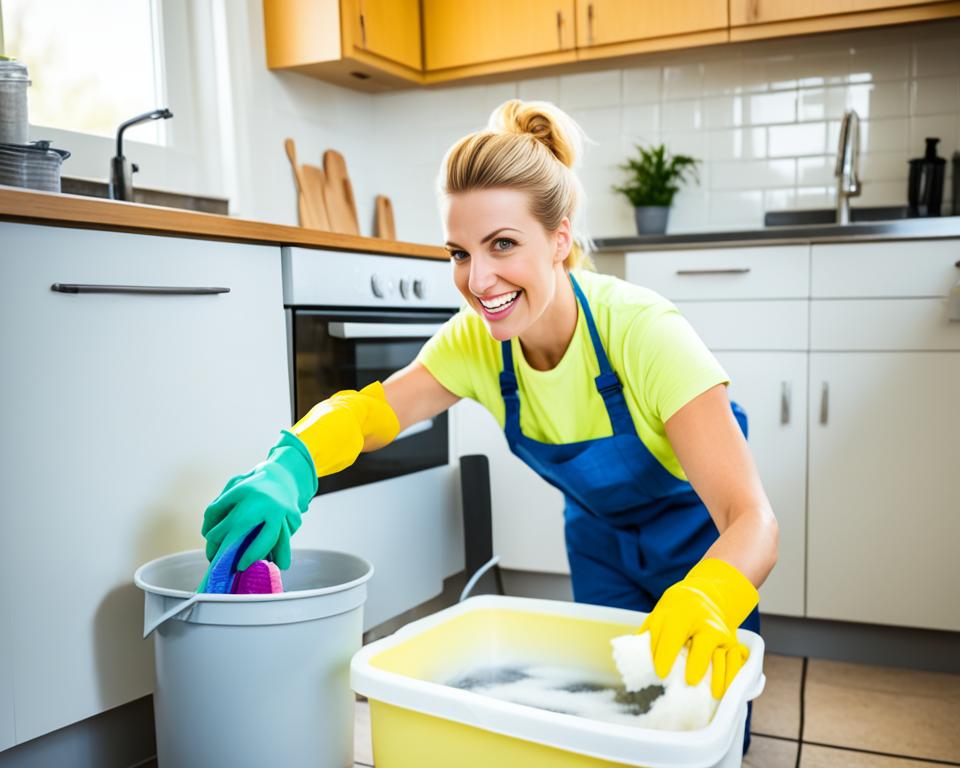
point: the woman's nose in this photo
(482, 276)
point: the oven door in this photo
(334, 349)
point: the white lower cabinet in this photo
(123, 415)
(883, 516)
(772, 389)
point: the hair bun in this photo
(547, 123)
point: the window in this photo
(92, 65)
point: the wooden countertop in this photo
(93, 213)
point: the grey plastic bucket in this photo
(255, 680)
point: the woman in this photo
(601, 387)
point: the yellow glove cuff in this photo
(730, 590)
(336, 430)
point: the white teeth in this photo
(500, 302)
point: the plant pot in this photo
(651, 219)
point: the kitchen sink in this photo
(829, 215)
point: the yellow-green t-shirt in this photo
(660, 359)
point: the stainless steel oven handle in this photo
(383, 330)
(415, 429)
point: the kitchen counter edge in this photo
(32, 207)
(901, 229)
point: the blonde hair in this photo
(528, 145)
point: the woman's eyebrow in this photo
(489, 237)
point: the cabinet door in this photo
(8, 734)
(602, 22)
(883, 458)
(387, 28)
(123, 415)
(466, 32)
(765, 11)
(771, 388)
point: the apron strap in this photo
(608, 383)
(508, 389)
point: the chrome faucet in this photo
(848, 165)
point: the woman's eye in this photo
(458, 255)
(507, 240)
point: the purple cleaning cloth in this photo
(261, 578)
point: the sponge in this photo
(682, 707)
(261, 578)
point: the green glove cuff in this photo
(291, 453)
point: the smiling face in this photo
(506, 265)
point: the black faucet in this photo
(121, 172)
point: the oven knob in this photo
(404, 288)
(377, 286)
(419, 289)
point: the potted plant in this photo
(655, 177)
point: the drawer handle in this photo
(785, 402)
(728, 271)
(824, 403)
(164, 290)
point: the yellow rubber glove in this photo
(336, 430)
(704, 609)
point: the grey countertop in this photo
(901, 229)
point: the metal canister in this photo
(13, 102)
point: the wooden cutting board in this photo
(311, 188)
(338, 194)
(383, 222)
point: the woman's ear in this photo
(564, 236)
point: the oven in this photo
(356, 318)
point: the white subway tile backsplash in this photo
(590, 89)
(816, 171)
(883, 193)
(822, 103)
(692, 143)
(641, 85)
(779, 199)
(539, 89)
(737, 143)
(883, 167)
(730, 210)
(753, 174)
(683, 81)
(816, 197)
(723, 111)
(873, 100)
(642, 122)
(682, 116)
(887, 135)
(766, 108)
(823, 67)
(796, 140)
(932, 57)
(874, 63)
(935, 96)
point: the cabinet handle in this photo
(363, 28)
(590, 24)
(559, 29)
(164, 290)
(785, 402)
(728, 271)
(824, 403)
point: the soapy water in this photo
(563, 690)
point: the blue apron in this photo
(632, 528)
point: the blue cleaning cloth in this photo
(223, 568)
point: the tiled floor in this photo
(835, 715)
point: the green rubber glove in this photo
(276, 492)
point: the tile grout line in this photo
(803, 705)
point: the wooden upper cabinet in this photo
(606, 22)
(463, 33)
(388, 28)
(770, 18)
(370, 45)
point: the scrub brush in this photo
(223, 578)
